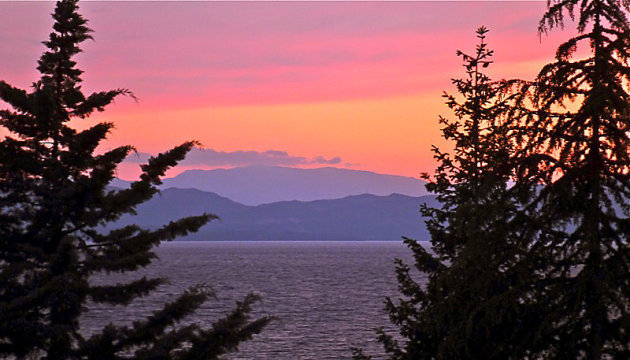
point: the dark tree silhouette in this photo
(54, 198)
(471, 304)
(561, 288)
(576, 147)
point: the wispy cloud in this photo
(227, 53)
(211, 157)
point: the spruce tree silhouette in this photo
(54, 197)
(470, 308)
(564, 281)
(576, 146)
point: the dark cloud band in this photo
(211, 157)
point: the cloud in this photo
(323, 160)
(211, 157)
(138, 157)
(229, 53)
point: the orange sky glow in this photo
(358, 81)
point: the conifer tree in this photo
(470, 306)
(54, 198)
(569, 135)
(577, 150)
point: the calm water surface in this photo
(327, 296)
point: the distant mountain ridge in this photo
(358, 217)
(255, 185)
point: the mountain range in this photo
(255, 185)
(357, 217)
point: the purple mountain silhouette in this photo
(255, 185)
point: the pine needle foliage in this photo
(54, 203)
(564, 278)
(577, 146)
(470, 305)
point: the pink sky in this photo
(358, 81)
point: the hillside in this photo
(359, 217)
(255, 185)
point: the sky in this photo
(306, 84)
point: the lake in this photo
(327, 296)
